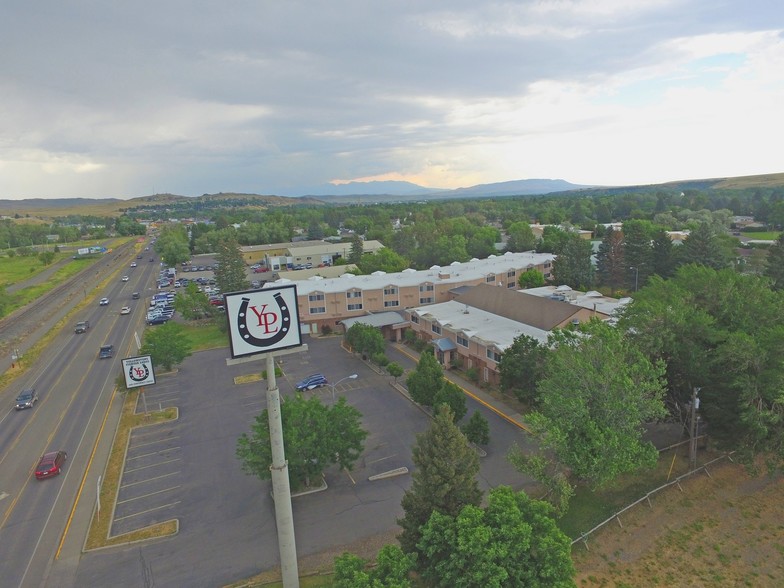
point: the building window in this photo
(390, 291)
(436, 328)
(428, 300)
(414, 319)
(546, 264)
(354, 294)
(490, 279)
(355, 306)
(462, 341)
(388, 303)
(496, 357)
(426, 288)
(511, 274)
(318, 310)
(511, 285)
(315, 297)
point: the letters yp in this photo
(262, 320)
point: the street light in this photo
(636, 276)
(332, 386)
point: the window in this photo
(546, 264)
(511, 285)
(355, 306)
(414, 319)
(428, 300)
(490, 279)
(388, 303)
(426, 288)
(462, 341)
(315, 297)
(511, 274)
(496, 357)
(354, 294)
(317, 310)
(436, 328)
(391, 291)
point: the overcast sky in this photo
(125, 99)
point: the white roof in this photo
(484, 327)
(592, 299)
(452, 274)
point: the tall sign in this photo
(261, 321)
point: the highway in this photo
(75, 389)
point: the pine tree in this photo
(230, 273)
(444, 479)
(611, 266)
(775, 266)
(426, 380)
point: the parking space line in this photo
(128, 485)
(127, 459)
(136, 514)
(148, 495)
(151, 433)
(381, 458)
(153, 465)
(154, 442)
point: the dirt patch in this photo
(723, 530)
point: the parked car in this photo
(82, 327)
(312, 381)
(26, 399)
(125, 310)
(103, 302)
(106, 351)
(50, 464)
(158, 320)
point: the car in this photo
(50, 464)
(125, 278)
(26, 399)
(104, 302)
(125, 310)
(82, 327)
(158, 320)
(133, 264)
(136, 296)
(312, 381)
(152, 259)
(138, 257)
(106, 351)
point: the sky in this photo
(125, 99)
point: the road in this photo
(75, 390)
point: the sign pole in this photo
(281, 491)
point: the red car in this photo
(50, 464)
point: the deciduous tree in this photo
(166, 345)
(426, 380)
(521, 367)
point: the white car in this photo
(125, 278)
(133, 264)
(104, 302)
(125, 310)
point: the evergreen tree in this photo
(426, 380)
(611, 267)
(477, 429)
(444, 480)
(775, 265)
(573, 265)
(663, 254)
(704, 247)
(230, 273)
(357, 249)
(637, 251)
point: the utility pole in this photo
(695, 404)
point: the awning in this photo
(444, 344)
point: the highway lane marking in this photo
(127, 459)
(129, 484)
(154, 465)
(148, 495)
(136, 514)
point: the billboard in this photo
(262, 320)
(138, 371)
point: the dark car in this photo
(158, 320)
(106, 351)
(135, 296)
(311, 382)
(50, 464)
(26, 399)
(152, 259)
(82, 326)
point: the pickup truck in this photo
(82, 326)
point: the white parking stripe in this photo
(148, 495)
(127, 459)
(149, 479)
(136, 514)
(154, 442)
(154, 465)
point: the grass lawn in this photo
(205, 335)
(765, 236)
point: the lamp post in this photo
(695, 405)
(636, 276)
(332, 386)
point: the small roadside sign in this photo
(138, 371)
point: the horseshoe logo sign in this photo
(139, 373)
(263, 320)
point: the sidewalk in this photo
(469, 388)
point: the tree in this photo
(444, 479)
(172, 245)
(637, 251)
(391, 571)
(611, 267)
(393, 369)
(521, 367)
(384, 260)
(775, 264)
(531, 279)
(365, 339)
(451, 395)
(425, 381)
(704, 246)
(573, 265)
(230, 274)
(512, 542)
(314, 436)
(191, 303)
(166, 345)
(598, 392)
(477, 429)
(520, 237)
(482, 243)
(46, 257)
(357, 249)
